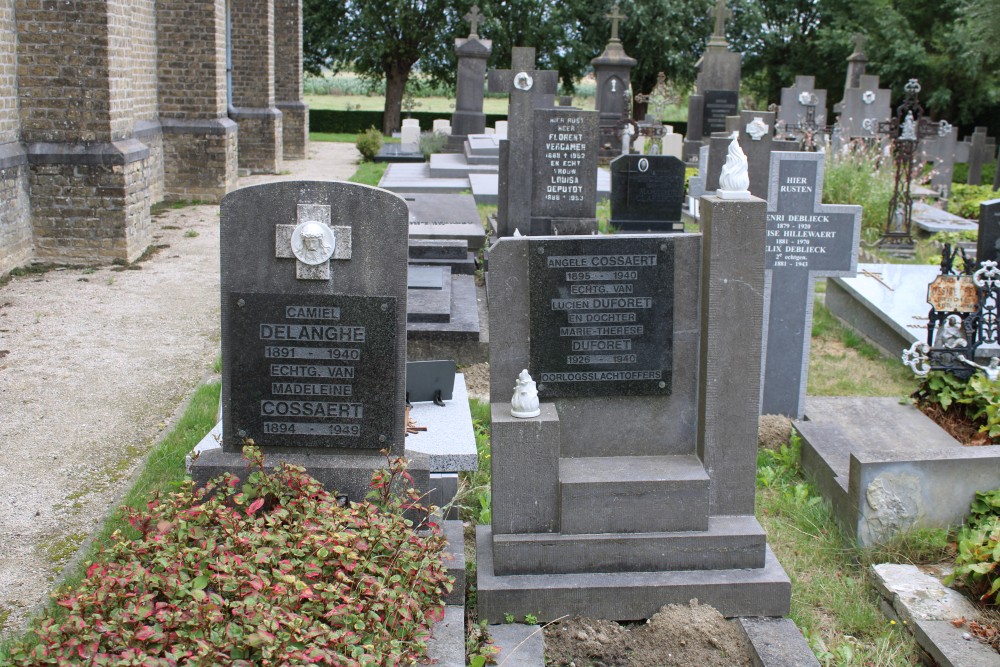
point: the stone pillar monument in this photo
(472, 54)
(613, 72)
(717, 87)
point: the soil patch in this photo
(957, 423)
(677, 635)
(477, 380)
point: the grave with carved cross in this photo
(313, 294)
(529, 89)
(806, 239)
(472, 53)
(717, 87)
(756, 138)
(802, 114)
(613, 71)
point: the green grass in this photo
(834, 602)
(843, 363)
(162, 471)
(369, 173)
(854, 179)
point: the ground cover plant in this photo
(968, 409)
(977, 565)
(271, 571)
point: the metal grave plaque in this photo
(313, 370)
(957, 294)
(601, 316)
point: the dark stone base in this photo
(395, 153)
(348, 474)
(650, 226)
(627, 596)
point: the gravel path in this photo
(94, 363)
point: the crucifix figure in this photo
(474, 17)
(615, 16)
(313, 242)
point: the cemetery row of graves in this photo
(615, 472)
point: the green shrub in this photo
(978, 397)
(858, 177)
(977, 565)
(432, 142)
(271, 572)
(965, 199)
(960, 175)
(368, 143)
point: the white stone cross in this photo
(313, 242)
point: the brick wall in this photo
(131, 64)
(16, 247)
(9, 121)
(192, 58)
(252, 37)
(62, 69)
(288, 78)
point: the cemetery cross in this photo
(722, 13)
(528, 89)
(615, 16)
(806, 239)
(474, 17)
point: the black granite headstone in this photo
(564, 183)
(805, 239)
(988, 243)
(718, 104)
(313, 317)
(647, 193)
(601, 312)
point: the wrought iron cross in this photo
(907, 129)
(615, 16)
(473, 18)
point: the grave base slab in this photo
(628, 596)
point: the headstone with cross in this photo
(863, 109)
(802, 113)
(612, 71)
(472, 54)
(717, 86)
(313, 285)
(756, 138)
(529, 89)
(806, 239)
(942, 152)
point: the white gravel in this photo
(93, 365)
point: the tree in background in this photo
(380, 39)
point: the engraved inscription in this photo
(601, 316)
(314, 372)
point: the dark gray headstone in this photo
(978, 156)
(472, 53)
(717, 105)
(529, 89)
(564, 183)
(601, 316)
(796, 100)
(805, 239)
(988, 243)
(942, 152)
(313, 333)
(647, 193)
(863, 108)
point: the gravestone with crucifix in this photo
(472, 53)
(612, 69)
(717, 86)
(802, 114)
(529, 89)
(863, 109)
(805, 239)
(313, 287)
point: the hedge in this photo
(353, 122)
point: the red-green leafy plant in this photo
(271, 572)
(977, 565)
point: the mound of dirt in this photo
(773, 431)
(678, 635)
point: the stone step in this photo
(731, 542)
(627, 596)
(455, 560)
(622, 494)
